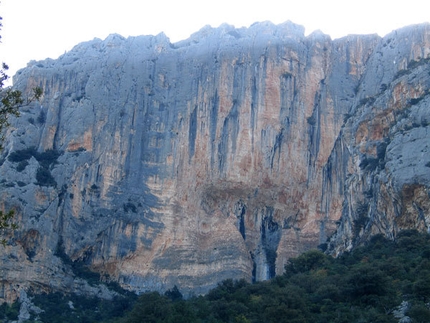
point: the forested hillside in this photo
(383, 281)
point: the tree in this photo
(6, 223)
(173, 294)
(10, 101)
(150, 308)
(311, 260)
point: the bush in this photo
(22, 155)
(311, 260)
(21, 184)
(22, 165)
(48, 157)
(365, 285)
(45, 159)
(419, 313)
(45, 178)
(369, 163)
(73, 308)
(42, 117)
(9, 312)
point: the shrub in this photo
(21, 155)
(400, 73)
(129, 207)
(9, 312)
(369, 163)
(365, 285)
(44, 177)
(42, 117)
(367, 100)
(48, 157)
(22, 165)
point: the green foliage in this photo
(41, 118)
(22, 155)
(46, 159)
(174, 294)
(7, 223)
(362, 286)
(150, 308)
(59, 308)
(419, 313)
(21, 165)
(5, 219)
(366, 285)
(45, 178)
(10, 101)
(419, 62)
(306, 262)
(78, 267)
(369, 163)
(367, 100)
(129, 207)
(401, 73)
(37, 93)
(9, 312)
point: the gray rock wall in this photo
(221, 156)
(382, 152)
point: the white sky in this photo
(37, 29)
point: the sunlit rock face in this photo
(221, 156)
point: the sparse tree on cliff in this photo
(10, 101)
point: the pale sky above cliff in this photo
(37, 29)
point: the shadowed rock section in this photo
(221, 156)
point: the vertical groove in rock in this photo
(217, 157)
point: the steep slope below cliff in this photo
(159, 164)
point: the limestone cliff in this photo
(221, 156)
(381, 160)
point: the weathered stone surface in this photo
(217, 157)
(382, 154)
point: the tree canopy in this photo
(383, 281)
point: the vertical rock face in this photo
(159, 164)
(381, 160)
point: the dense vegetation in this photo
(74, 308)
(367, 285)
(46, 159)
(374, 283)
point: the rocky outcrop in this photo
(382, 156)
(221, 156)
